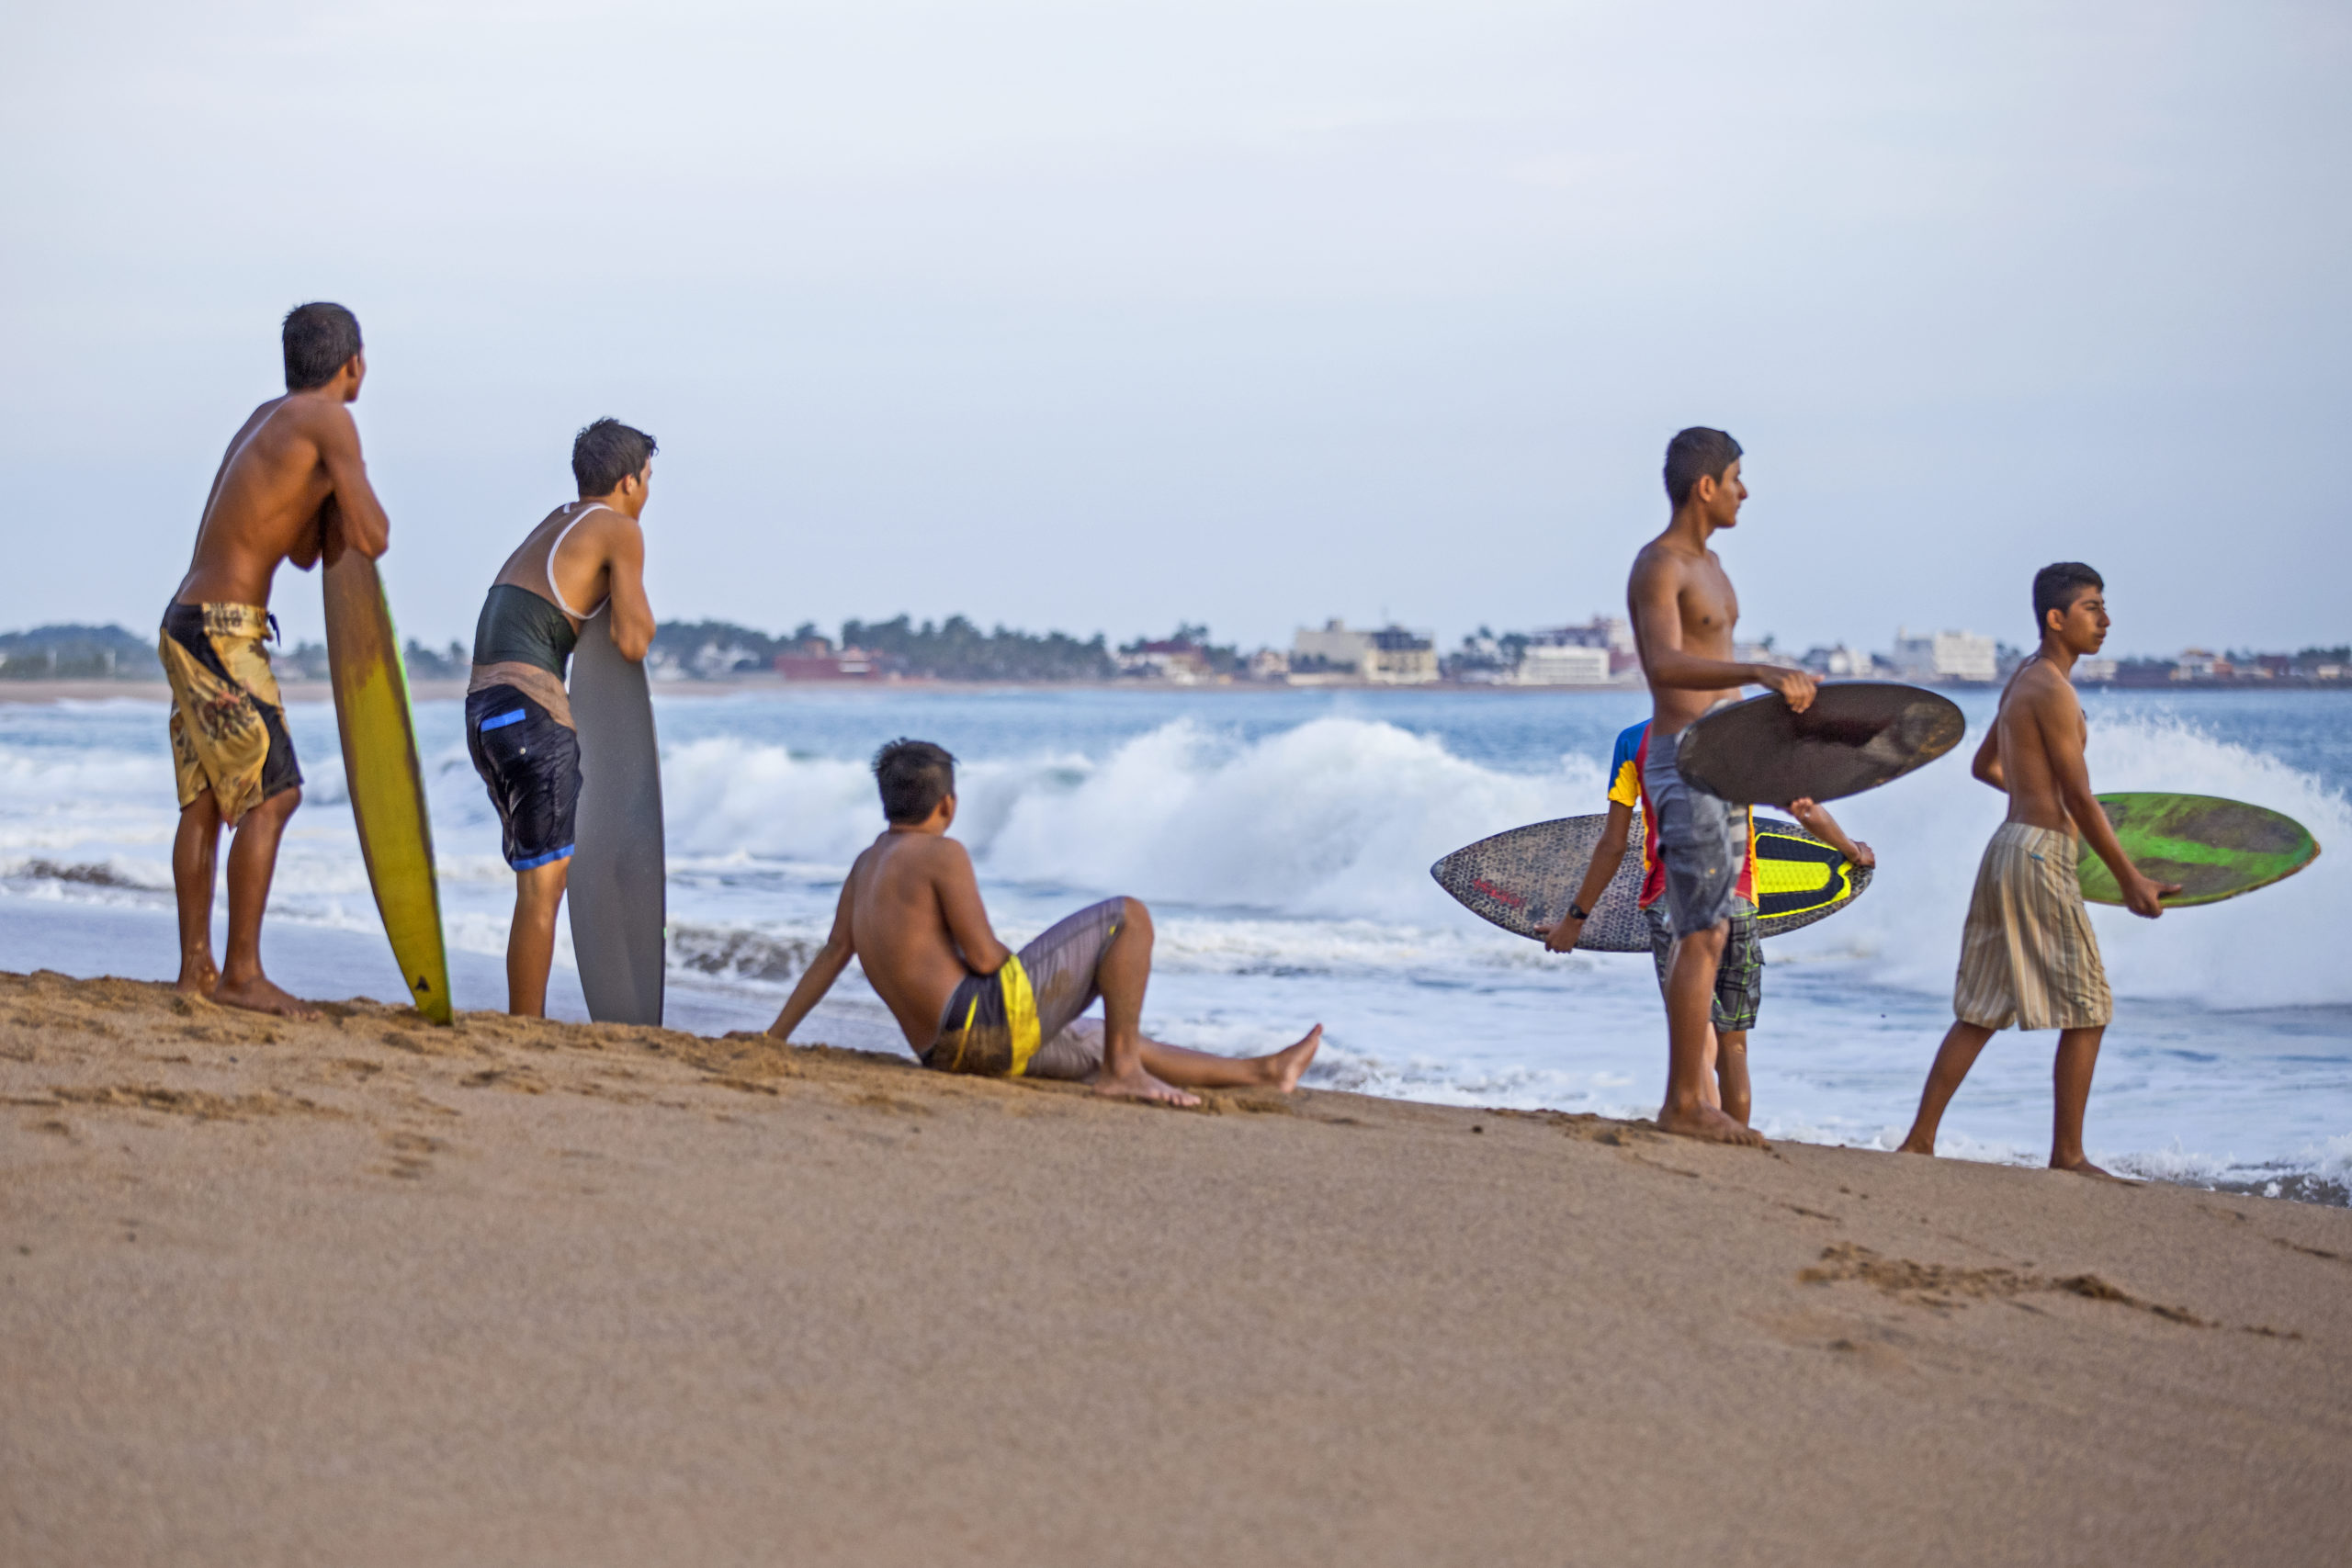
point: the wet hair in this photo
(607, 452)
(320, 340)
(1694, 455)
(2058, 585)
(915, 777)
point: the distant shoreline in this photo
(32, 692)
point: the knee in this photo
(1733, 1043)
(1709, 942)
(1134, 917)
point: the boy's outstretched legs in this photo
(1953, 1058)
(1136, 1067)
(252, 861)
(195, 862)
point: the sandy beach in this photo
(364, 1291)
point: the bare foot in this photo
(197, 977)
(258, 995)
(2085, 1168)
(1140, 1085)
(1286, 1067)
(1706, 1122)
(1913, 1147)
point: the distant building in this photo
(1838, 663)
(2095, 671)
(1562, 665)
(2199, 664)
(1946, 656)
(1392, 656)
(1269, 664)
(1611, 633)
(815, 659)
(1180, 660)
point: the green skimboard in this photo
(2215, 849)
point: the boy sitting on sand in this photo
(1739, 976)
(910, 913)
(2028, 955)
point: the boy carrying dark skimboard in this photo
(292, 471)
(1683, 610)
(2028, 955)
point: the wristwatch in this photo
(1577, 911)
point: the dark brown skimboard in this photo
(1523, 880)
(1857, 735)
(2215, 849)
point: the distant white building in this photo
(2094, 671)
(1946, 656)
(1562, 665)
(1838, 663)
(1392, 656)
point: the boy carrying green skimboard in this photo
(2028, 955)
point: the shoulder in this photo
(1629, 742)
(1659, 565)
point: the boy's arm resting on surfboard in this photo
(824, 967)
(632, 611)
(2060, 724)
(1607, 856)
(357, 516)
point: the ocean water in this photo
(1282, 840)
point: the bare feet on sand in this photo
(198, 977)
(258, 995)
(1286, 1067)
(1913, 1147)
(2085, 1168)
(1706, 1122)
(1140, 1085)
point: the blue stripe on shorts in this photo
(500, 721)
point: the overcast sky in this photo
(1101, 316)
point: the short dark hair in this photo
(2058, 585)
(915, 777)
(1694, 455)
(320, 340)
(607, 452)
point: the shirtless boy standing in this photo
(910, 913)
(585, 555)
(292, 474)
(1683, 610)
(2028, 955)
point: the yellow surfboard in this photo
(387, 787)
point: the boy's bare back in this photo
(902, 902)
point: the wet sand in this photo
(368, 1292)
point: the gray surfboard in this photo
(619, 877)
(1523, 881)
(1857, 735)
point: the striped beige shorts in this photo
(2028, 957)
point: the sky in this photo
(1106, 316)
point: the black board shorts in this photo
(530, 760)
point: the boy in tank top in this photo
(583, 559)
